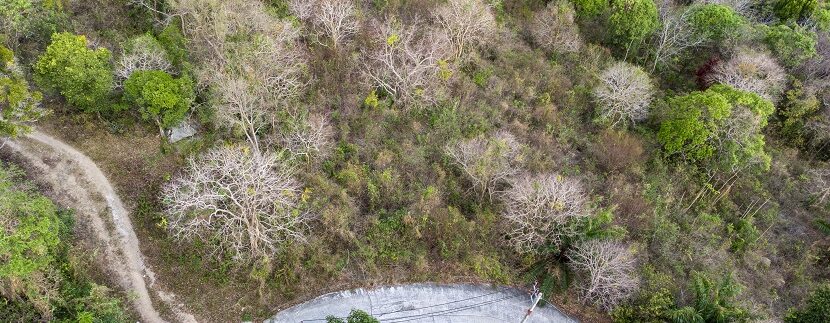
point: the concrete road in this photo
(422, 303)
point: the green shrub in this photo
(34, 20)
(796, 110)
(816, 310)
(794, 9)
(39, 280)
(160, 97)
(28, 242)
(174, 43)
(18, 104)
(792, 45)
(821, 17)
(714, 22)
(82, 75)
(590, 8)
(695, 127)
(355, 316)
(715, 300)
(632, 21)
(655, 307)
(744, 234)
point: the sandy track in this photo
(76, 182)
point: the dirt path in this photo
(76, 182)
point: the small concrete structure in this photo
(185, 129)
(421, 303)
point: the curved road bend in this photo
(422, 303)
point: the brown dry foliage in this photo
(617, 151)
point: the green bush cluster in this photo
(160, 97)
(632, 21)
(82, 75)
(693, 126)
(817, 308)
(38, 281)
(19, 104)
(714, 22)
(792, 45)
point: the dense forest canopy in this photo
(659, 160)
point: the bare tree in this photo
(247, 202)
(403, 60)
(752, 71)
(143, 53)
(555, 29)
(609, 269)
(819, 184)
(675, 34)
(303, 9)
(254, 76)
(335, 19)
(273, 63)
(539, 210)
(210, 26)
(308, 138)
(243, 107)
(487, 161)
(467, 22)
(624, 94)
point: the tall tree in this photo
(82, 75)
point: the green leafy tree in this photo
(794, 9)
(29, 236)
(590, 8)
(692, 122)
(18, 104)
(816, 310)
(160, 97)
(714, 22)
(38, 282)
(82, 75)
(719, 120)
(355, 316)
(797, 109)
(632, 21)
(13, 15)
(792, 45)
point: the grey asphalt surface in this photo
(421, 303)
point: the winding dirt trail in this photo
(76, 182)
